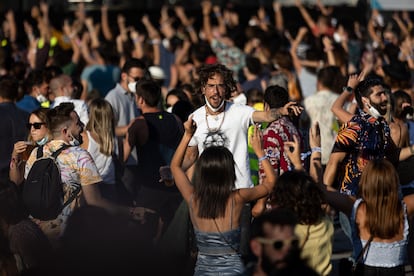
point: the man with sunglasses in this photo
(122, 100)
(275, 246)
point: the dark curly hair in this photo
(297, 191)
(207, 71)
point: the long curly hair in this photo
(297, 191)
(207, 71)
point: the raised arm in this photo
(187, 23)
(206, 9)
(294, 48)
(275, 113)
(279, 23)
(268, 182)
(106, 30)
(181, 179)
(338, 105)
(220, 19)
(12, 26)
(306, 16)
(154, 35)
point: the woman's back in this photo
(218, 240)
(388, 252)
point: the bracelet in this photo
(348, 89)
(262, 158)
(316, 149)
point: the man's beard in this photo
(291, 258)
(380, 107)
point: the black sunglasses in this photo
(35, 125)
(279, 244)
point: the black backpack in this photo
(43, 189)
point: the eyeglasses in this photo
(212, 87)
(279, 244)
(35, 125)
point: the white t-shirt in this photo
(227, 129)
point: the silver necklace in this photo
(216, 118)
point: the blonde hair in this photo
(101, 122)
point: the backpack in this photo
(43, 189)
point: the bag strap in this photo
(224, 238)
(39, 152)
(72, 197)
(362, 252)
(78, 189)
(58, 151)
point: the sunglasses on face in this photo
(279, 244)
(35, 125)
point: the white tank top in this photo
(104, 163)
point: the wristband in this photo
(316, 149)
(348, 89)
(262, 158)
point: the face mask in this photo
(41, 99)
(337, 37)
(374, 112)
(166, 43)
(212, 108)
(42, 141)
(75, 142)
(132, 86)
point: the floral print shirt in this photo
(363, 138)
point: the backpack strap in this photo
(78, 189)
(39, 152)
(72, 197)
(57, 152)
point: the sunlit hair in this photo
(297, 191)
(101, 122)
(379, 190)
(213, 180)
(40, 113)
(207, 71)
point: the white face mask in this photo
(166, 43)
(337, 37)
(212, 108)
(41, 99)
(374, 112)
(74, 142)
(42, 141)
(132, 86)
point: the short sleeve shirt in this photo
(363, 138)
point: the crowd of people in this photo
(206, 145)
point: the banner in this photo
(393, 5)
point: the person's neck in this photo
(4, 100)
(149, 109)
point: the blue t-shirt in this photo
(28, 104)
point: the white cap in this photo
(156, 72)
